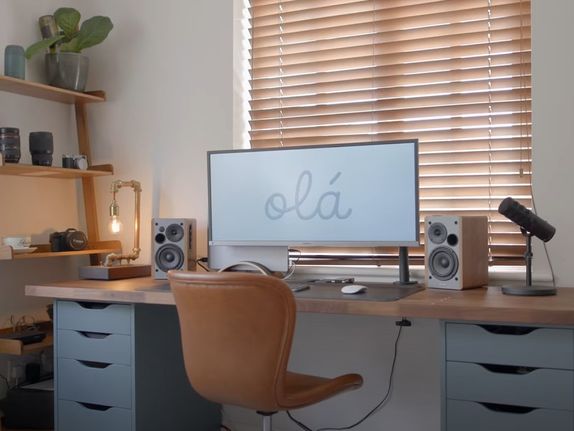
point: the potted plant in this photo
(66, 66)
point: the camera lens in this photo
(41, 148)
(10, 144)
(68, 161)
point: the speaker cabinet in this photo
(173, 245)
(456, 251)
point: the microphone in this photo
(526, 219)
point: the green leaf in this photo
(68, 19)
(42, 45)
(94, 31)
(71, 46)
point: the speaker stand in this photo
(404, 274)
(529, 289)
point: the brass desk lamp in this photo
(112, 267)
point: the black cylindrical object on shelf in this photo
(41, 148)
(10, 144)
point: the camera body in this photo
(69, 240)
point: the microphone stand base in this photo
(529, 290)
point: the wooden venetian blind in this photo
(454, 74)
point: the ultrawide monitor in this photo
(341, 195)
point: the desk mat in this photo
(375, 292)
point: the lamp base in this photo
(115, 272)
(529, 290)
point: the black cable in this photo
(300, 424)
(378, 406)
(224, 427)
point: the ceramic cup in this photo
(21, 241)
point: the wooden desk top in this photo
(484, 304)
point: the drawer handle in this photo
(97, 407)
(508, 409)
(93, 305)
(508, 369)
(96, 335)
(508, 330)
(94, 364)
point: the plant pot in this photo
(67, 70)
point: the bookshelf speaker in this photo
(456, 251)
(173, 245)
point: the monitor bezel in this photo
(347, 243)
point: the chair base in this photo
(266, 420)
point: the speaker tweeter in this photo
(173, 245)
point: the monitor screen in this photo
(347, 195)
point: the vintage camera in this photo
(70, 240)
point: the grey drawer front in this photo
(552, 389)
(94, 346)
(470, 416)
(110, 386)
(113, 319)
(544, 347)
(73, 416)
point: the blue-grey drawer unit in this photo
(95, 317)
(510, 345)
(95, 382)
(88, 417)
(539, 387)
(503, 377)
(94, 346)
(119, 367)
(473, 416)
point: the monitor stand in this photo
(404, 275)
(275, 258)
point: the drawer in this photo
(74, 416)
(471, 416)
(95, 317)
(94, 346)
(519, 386)
(509, 345)
(97, 383)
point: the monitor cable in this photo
(400, 323)
(293, 264)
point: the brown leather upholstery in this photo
(236, 332)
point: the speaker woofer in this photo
(443, 263)
(174, 232)
(169, 257)
(437, 233)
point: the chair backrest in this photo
(236, 332)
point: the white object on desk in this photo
(351, 289)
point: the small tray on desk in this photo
(385, 292)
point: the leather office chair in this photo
(236, 332)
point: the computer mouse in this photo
(351, 289)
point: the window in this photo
(454, 74)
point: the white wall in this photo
(168, 71)
(553, 128)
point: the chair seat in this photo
(302, 390)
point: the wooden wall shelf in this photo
(47, 92)
(79, 102)
(53, 172)
(15, 347)
(98, 247)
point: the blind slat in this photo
(455, 75)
